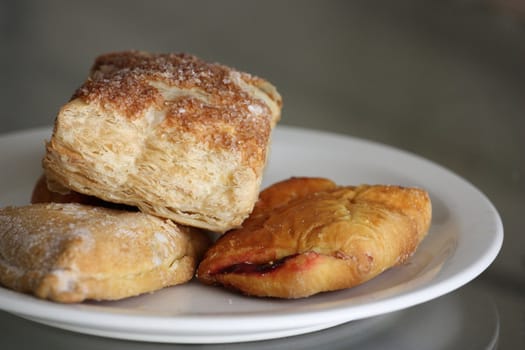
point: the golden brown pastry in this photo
(70, 252)
(169, 133)
(42, 194)
(308, 235)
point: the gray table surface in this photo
(444, 80)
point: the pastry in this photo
(42, 194)
(173, 135)
(70, 252)
(308, 235)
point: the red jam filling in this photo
(249, 267)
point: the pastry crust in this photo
(169, 133)
(42, 194)
(70, 252)
(308, 235)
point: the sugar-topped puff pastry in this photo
(308, 235)
(174, 135)
(70, 252)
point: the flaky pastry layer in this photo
(174, 135)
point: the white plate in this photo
(465, 237)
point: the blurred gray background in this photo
(442, 79)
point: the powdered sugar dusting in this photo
(157, 261)
(54, 249)
(160, 237)
(86, 237)
(35, 234)
(125, 233)
(255, 109)
(66, 280)
(160, 247)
